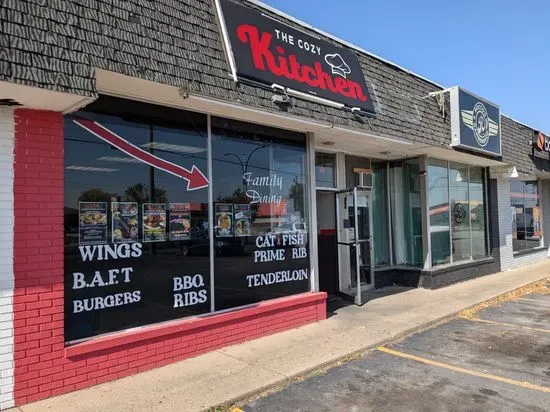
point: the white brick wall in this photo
(6, 257)
(507, 258)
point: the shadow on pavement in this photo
(336, 302)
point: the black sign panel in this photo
(271, 52)
(475, 123)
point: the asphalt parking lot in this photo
(496, 359)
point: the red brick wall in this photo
(43, 367)
(38, 254)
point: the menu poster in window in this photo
(224, 220)
(124, 221)
(179, 221)
(242, 220)
(154, 222)
(92, 227)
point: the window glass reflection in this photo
(136, 240)
(325, 169)
(477, 212)
(526, 222)
(406, 212)
(438, 194)
(380, 208)
(261, 236)
(460, 212)
(457, 194)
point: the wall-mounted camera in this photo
(280, 99)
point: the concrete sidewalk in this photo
(235, 372)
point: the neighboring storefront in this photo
(172, 186)
(461, 209)
(524, 196)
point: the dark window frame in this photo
(163, 117)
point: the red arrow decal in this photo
(195, 178)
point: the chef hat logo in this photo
(337, 65)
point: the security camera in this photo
(280, 99)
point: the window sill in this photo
(459, 265)
(529, 251)
(398, 267)
(124, 338)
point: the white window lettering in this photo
(109, 251)
(126, 272)
(265, 279)
(299, 253)
(178, 284)
(97, 280)
(78, 280)
(87, 252)
(77, 306)
(112, 276)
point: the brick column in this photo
(38, 254)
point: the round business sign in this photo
(459, 212)
(481, 124)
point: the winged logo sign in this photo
(479, 122)
(475, 123)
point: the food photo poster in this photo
(224, 220)
(154, 222)
(92, 225)
(125, 222)
(179, 221)
(242, 220)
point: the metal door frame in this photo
(356, 242)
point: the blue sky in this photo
(498, 49)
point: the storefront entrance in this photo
(354, 240)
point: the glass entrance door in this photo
(354, 237)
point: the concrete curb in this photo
(308, 372)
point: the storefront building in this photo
(181, 176)
(524, 196)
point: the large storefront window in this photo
(438, 193)
(477, 212)
(261, 236)
(460, 212)
(456, 195)
(137, 206)
(526, 222)
(136, 240)
(381, 227)
(406, 213)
